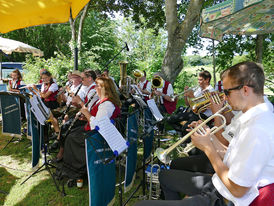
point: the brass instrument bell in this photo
(157, 81)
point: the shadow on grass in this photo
(20, 150)
(6, 182)
(45, 193)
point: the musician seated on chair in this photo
(245, 174)
(74, 160)
(14, 85)
(16, 81)
(75, 88)
(144, 86)
(87, 94)
(48, 91)
(183, 116)
(163, 92)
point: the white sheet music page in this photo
(154, 110)
(109, 132)
(39, 109)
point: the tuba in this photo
(125, 81)
(163, 155)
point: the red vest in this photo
(94, 111)
(144, 87)
(265, 197)
(17, 84)
(170, 106)
(86, 97)
(52, 97)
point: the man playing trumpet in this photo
(246, 171)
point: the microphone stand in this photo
(125, 47)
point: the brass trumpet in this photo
(163, 155)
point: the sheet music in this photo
(109, 132)
(39, 109)
(154, 110)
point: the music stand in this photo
(8, 107)
(41, 113)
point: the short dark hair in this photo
(90, 73)
(205, 75)
(246, 73)
(47, 73)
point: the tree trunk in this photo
(178, 34)
(259, 48)
(74, 33)
(81, 23)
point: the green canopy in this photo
(243, 17)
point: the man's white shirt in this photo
(250, 155)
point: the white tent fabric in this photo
(8, 46)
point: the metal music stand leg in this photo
(10, 141)
(120, 181)
(46, 165)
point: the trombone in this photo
(182, 93)
(163, 155)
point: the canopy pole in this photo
(76, 58)
(214, 62)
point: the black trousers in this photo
(193, 163)
(197, 186)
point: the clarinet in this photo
(68, 107)
(64, 90)
(78, 115)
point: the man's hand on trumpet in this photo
(202, 139)
(216, 102)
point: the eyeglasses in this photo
(227, 91)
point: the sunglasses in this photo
(227, 91)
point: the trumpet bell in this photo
(161, 155)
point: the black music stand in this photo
(42, 114)
(13, 136)
(46, 165)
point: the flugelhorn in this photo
(201, 103)
(163, 155)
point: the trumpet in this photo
(163, 155)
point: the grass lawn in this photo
(15, 167)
